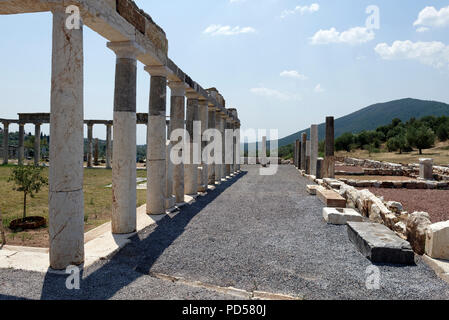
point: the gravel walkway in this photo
(253, 233)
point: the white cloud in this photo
(430, 17)
(301, 10)
(435, 53)
(293, 74)
(271, 93)
(353, 36)
(318, 88)
(219, 30)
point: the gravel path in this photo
(253, 233)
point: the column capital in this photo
(126, 49)
(157, 71)
(192, 95)
(178, 88)
(203, 102)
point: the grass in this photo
(440, 155)
(97, 204)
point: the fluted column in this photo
(204, 119)
(21, 143)
(37, 144)
(211, 125)
(237, 150)
(170, 200)
(156, 141)
(229, 146)
(5, 142)
(124, 152)
(66, 201)
(108, 145)
(90, 148)
(224, 116)
(177, 113)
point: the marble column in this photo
(5, 142)
(329, 160)
(263, 152)
(124, 151)
(308, 150)
(21, 143)
(319, 168)
(156, 141)
(177, 113)
(191, 167)
(313, 148)
(303, 150)
(66, 200)
(211, 125)
(90, 147)
(229, 147)
(298, 154)
(170, 200)
(204, 119)
(237, 150)
(218, 166)
(108, 145)
(224, 117)
(37, 144)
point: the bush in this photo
(443, 132)
(344, 142)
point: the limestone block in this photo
(417, 225)
(437, 240)
(331, 198)
(394, 206)
(311, 189)
(341, 216)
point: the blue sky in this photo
(283, 64)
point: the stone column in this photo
(224, 118)
(124, 152)
(90, 147)
(229, 146)
(66, 201)
(263, 152)
(37, 144)
(329, 160)
(191, 168)
(303, 150)
(211, 125)
(5, 142)
(237, 150)
(218, 166)
(298, 154)
(108, 145)
(426, 169)
(177, 112)
(313, 148)
(204, 118)
(308, 156)
(157, 141)
(21, 143)
(319, 168)
(170, 200)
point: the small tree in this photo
(421, 137)
(344, 142)
(443, 132)
(29, 180)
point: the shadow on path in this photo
(105, 279)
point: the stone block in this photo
(341, 216)
(379, 244)
(331, 198)
(311, 189)
(437, 240)
(417, 225)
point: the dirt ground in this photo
(376, 178)
(435, 202)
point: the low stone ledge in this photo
(379, 244)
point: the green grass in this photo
(97, 203)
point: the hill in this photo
(377, 115)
